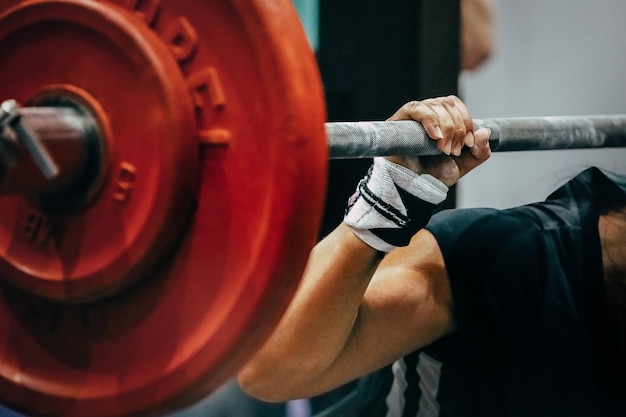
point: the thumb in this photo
(477, 154)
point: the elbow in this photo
(477, 33)
(276, 382)
(476, 49)
(257, 386)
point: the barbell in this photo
(163, 166)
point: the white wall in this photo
(553, 57)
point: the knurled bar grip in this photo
(369, 139)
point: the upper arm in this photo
(353, 315)
(407, 305)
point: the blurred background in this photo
(551, 57)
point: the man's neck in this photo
(612, 229)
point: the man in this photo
(525, 305)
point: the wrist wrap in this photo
(391, 204)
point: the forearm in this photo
(346, 321)
(318, 324)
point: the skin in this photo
(612, 231)
(353, 313)
(477, 38)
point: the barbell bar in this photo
(192, 150)
(347, 140)
(370, 139)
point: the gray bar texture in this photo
(369, 139)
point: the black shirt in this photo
(533, 336)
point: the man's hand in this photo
(448, 121)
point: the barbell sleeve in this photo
(369, 139)
(44, 150)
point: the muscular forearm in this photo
(353, 314)
(317, 325)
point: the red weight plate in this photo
(225, 273)
(102, 60)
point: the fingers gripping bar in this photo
(369, 139)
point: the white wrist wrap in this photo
(391, 204)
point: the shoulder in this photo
(571, 210)
(481, 226)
